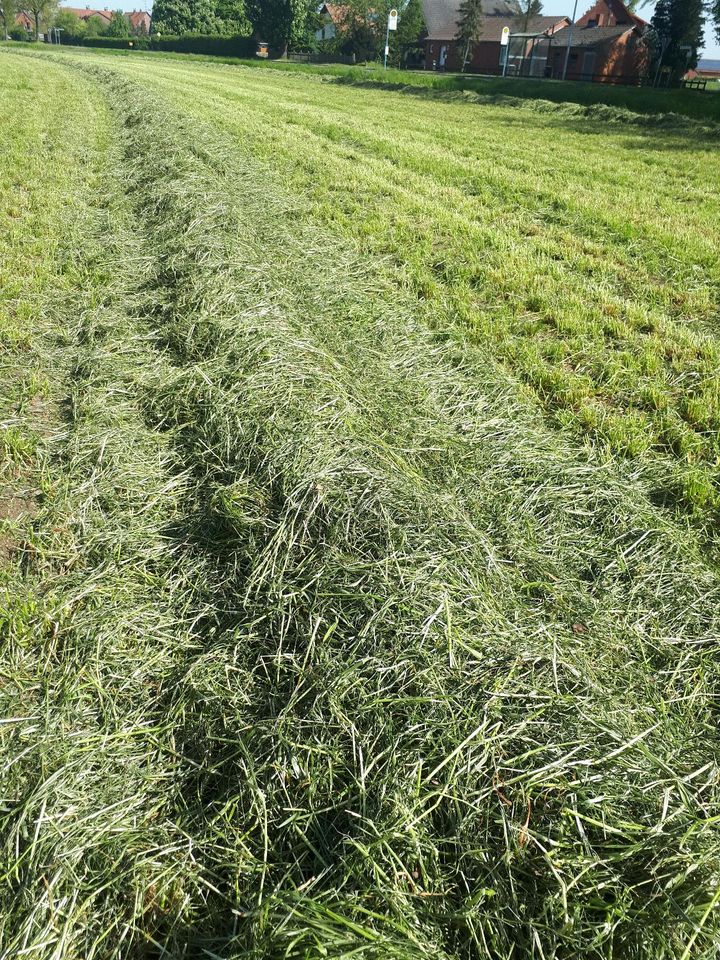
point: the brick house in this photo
(529, 44)
(139, 21)
(24, 20)
(607, 45)
(332, 20)
(85, 13)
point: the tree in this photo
(184, 16)
(715, 15)
(231, 17)
(678, 24)
(70, 24)
(530, 9)
(96, 27)
(283, 23)
(411, 24)
(119, 25)
(42, 12)
(469, 27)
(7, 15)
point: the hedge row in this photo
(191, 43)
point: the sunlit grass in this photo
(355, 622)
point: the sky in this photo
(551, 7)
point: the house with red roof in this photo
(529, 47)
(333, 17)
(607, 44)
(140, 21)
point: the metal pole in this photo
(387, 41)
(570, 38)
(507, 54)
(663, 47)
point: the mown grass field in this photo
(359, 565)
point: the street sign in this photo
(392, 19)
(505, 38)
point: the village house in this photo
(332, 19)
(529, 53)
(24, 20)
(606, 44)
(139, 20)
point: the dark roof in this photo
(441, 19)
(591, 36)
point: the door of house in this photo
(588, 65)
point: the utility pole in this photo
(570, 39)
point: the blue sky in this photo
(712, 49)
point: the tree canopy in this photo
(283, 23)
(530, 9)
(469, 27)
(42, 13)
(200, 16)
(7, 17)
(678, 29)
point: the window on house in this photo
(592, 23)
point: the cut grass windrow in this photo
(357, 656)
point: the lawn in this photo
(365, 602)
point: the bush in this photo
(19, 33)
(190, 43)
(236, 46)
(113, 43)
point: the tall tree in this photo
(119, 25)
(178, 17)
(7, 16)
(96, 26)
(678, 24)
(530, 9)
(411, 24)
(70, 24)
(469, 28)
(715, 14)
(232, 18)
(42, 12)
(283, 23)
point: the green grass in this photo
(620, 99)
(343, 632)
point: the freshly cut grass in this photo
(351, 653)
(584, 256)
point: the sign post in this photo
(391, 25)
(505, 44)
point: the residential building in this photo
(529, 48)
(332, 18)
(606, 45)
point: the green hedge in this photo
(213, 45)
(191, 43)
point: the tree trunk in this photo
(36, 16)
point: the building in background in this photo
(606, 45)
(140, 21)
(332, 19)
(529, 47)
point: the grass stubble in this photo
(327, 644)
